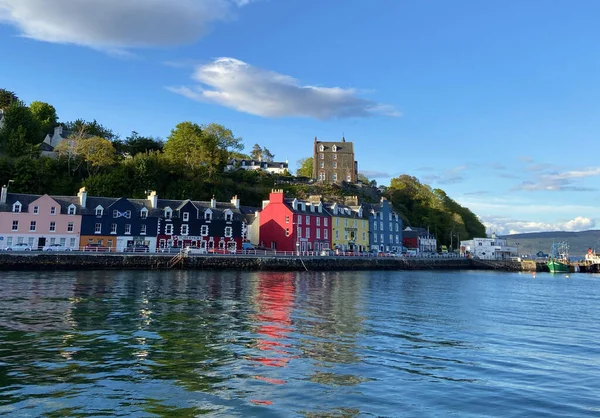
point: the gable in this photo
(122, 203)
(44, 202)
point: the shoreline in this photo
(45, 261)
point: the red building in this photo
(291, 225)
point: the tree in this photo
(96, 152)
(225, 138)
(256, 152)
(7, 98)
(20, 127)
(362, 178)
(305, 167)
(45, 114)
(136, 144)
(267, 155)
(91, 128)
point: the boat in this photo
(591, 257)
(559, 260)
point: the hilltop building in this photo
(333, 162)
(493, 248)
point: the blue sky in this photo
(496, 102)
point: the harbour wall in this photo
(69, 261)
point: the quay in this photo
(75, 261)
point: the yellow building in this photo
(350, 226)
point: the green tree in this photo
(96, 152)
(364, 179)
(225, 138)
(45, 114)
(92, 128)
(267, 155)
(136, 144)
(305, 167)
(7, 98)
(185, 145)
(256, 152)
(20, 128)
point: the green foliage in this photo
(261, 154)
(305, 167)
(136, 144)
(225, 138)
(421, 206)
(20, 129)
(90, 128)
(7, 98)
(45, 114)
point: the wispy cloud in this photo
(376, 174)
(478, 193)
(504, 226)
(237, 85)
(116, 25)
(566, 181)
(450, 176)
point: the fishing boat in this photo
(591, 257)
(559, 260)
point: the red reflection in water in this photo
(275, 298)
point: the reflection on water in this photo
(308, 344)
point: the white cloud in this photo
(116, 25)
(237, 85)
(503, 226)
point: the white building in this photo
(493, 248)
(267, 166)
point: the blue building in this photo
(385, 227)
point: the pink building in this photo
(39, 220)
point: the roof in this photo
(353, 210)
(341, 147)
(262, 164)
(27, 199)
(44, 146)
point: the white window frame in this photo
(71, 210)
(208, 215)
(113, 229)
(228, 216)
(36, 210)
(204, 230)
(98, 228)
(144, 213)
(115, 213)
(127, 229)
(318, 221)
(128, 214)
(70, 227)
(99, 211)
(186, 216)
(228, 231)
(169, 229)
(185, 229)
(52, 227)
(334, 176)
(143, 229)
(17, 207)
(15, 226)
(168, 213)
(53, 210)
(32, 226)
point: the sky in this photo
(495, 102)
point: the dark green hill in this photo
(579, 242)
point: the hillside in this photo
(579, 242)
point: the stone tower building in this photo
(333, 162)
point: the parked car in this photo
(326, 252)
(194, 250)
(247, 246)
(22, 246)
(96, 248)
(137, 249)
(56, 247)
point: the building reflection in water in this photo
(274, 302)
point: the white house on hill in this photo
(493, 248)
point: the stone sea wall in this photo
(44, 261)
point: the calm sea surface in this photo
(299, 344)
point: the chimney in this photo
(236, 201)
(82, 195)
(213, 202)
(4, 194)
(276, 196)
(153, 198)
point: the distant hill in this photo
(579, 242)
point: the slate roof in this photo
(341, 147)
(262, 164)
(27, 199)
(44, 146)
(353, 210)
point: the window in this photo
(391, 238)
(375, 238)
(52, 226)
(348, 178)
(299, 232)
(143, 229)
(397, 239)
(391, 227)
(221, 244)
(72, 242)
(17, 207)
(334, 176)
(381, 236)
(30, 241)
(322, 156)
(334, 148)
(337, 221)
(390, 216)
(325, 222)
(20, 240)
(36, 210)
(321, 148)
(127, 229)
(228, 231)
(99, 211)
(307, 232)
(70, 227)
(322, 164)
(228, 216)
(325, 233)
(32, 226)
(208, 215)
(287, 232)
(355, 223)
(169, 229)
(318, 221)
(185, 229)
(381, 225)
(115, 213)
(52, 210)
(63, 241)
(71, 210)
(318, 234)
(346, 222)
(168, 213)
(364, 236)
(337, 234)
(322, 175)
(287, 219)
(144, 213)
(299, 219)
(335, 164)
(307, 220)
(186, 216)
(375, 226)
(346, 235)
(204, 230)
(98, 228)
(381, 216)
(113, 228)
(128, 214)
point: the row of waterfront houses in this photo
(283, 223)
